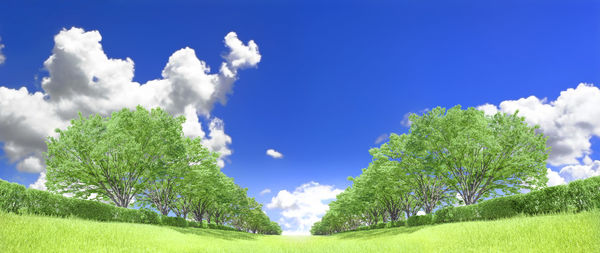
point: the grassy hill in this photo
(551, 233)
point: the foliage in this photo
(142, 155)
(419, 220)
(577, 196)
(17, 199)
(11, 196)
(173, 221)
(466, 213)
(498, 208)
(447, 153)
(584, 194)
(113, 158)
(479, 155)
(149, 216)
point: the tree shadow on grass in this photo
(221, 234)
(367, 234)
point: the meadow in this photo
(566, 232)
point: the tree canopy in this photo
(143, 155)
(446, 153)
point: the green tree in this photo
(478, 155)
(168, 183)
(413, 171)
(112, 158)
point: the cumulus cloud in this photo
(83, 79)
(381, 138)
(488, 109)
(40, 183)
(581, 171)
(274, 153)
(304, 206)
(2, 57)
(554, 178)
(265, 191)
(570, 122)
(219, 141)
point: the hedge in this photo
(16, 198)
(499, 207)
(174, 221)
(419, 220)
(393, 224)
(577, 196)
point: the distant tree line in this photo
(142, 157)
(448, 156)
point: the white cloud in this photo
(570, 121)
(304, 206)
(420, 213)
(2, 57)
(274, 153)
(265, 191)
(581, 171)
(554, 178)
(488, 109)
(31, 164)
(381, 138)
(219, 141)
(82, 78)
(40, 183)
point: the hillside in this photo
(550, 233)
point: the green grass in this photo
(552, 233)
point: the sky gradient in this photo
(327, 82)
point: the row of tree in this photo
(448, 156)
(142, 156)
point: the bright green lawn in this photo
(553, 233)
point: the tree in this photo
(415, 170)
(112, 158)
(479, 155)
(206, 181)
(168, 183)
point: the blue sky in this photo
(334, 77)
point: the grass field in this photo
(552, 233)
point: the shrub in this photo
(11, 196)
(42, 203)
(498, 208)
(445, 214)
(173, 221)
(419, 220)
(465, 213)
(584, 194)
(548, 200)
(577, 196)
(594, 183)
(194, 224)
(149, 217)
(127, 215)
(91, 210)
(398, 223)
